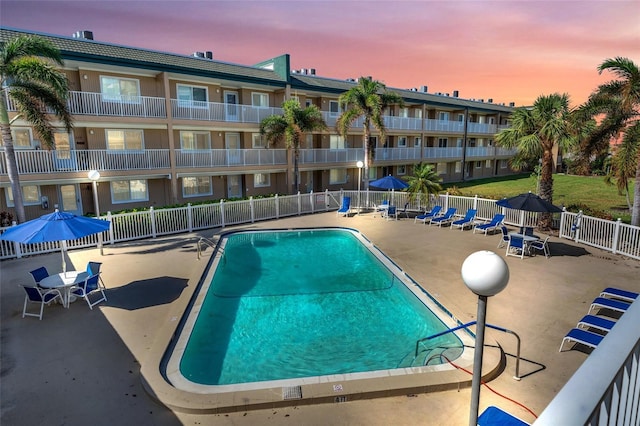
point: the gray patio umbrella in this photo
(529, 202)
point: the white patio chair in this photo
(35, 294)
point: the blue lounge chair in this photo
(428, 215)
(346, 206)
(627, 296)
(593, 321)
(604, 303)
(447, 217)
(584, 337)
(494, 224)
(467, 220)
(494, 416)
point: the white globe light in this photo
(485, 273)
(94, 175)
(360, 164)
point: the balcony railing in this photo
(231, 157)
(43, 162)
(211, 111)
(98, 104)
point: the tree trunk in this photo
(365, 146)
(635, 211)
(12, 171)
(546, 187)
(296, 179)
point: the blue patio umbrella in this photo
(56, 226)
(529, 202)
(389, 182)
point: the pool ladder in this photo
(467, 325)
(204, 241)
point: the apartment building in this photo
(164, 128)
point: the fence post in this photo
(253, 215)
(446, 200)
(311, 203)
(222, 212)
(616, 236)
(111, 236)
(577, 225)
(152, 215)
(277, 201)
(189, 217)
(326, 199)
(299, 203)
(475, 201)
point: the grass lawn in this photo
(573, 192)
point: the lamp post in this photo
(360, 165)
(485, 274)
(93, 176)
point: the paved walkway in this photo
(79, 367)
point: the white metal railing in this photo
(230, 157)
(214, 111)
(605, 390)
(99, 104)
(44, 161)
(608, 235)
(443, 153)
(87, 103)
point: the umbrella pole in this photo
(63, 249)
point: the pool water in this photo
(295, 304)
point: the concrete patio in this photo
(79, 366)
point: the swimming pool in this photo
(291, 307)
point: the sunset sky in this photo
(511, 51)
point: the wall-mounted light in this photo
(85, 77)
(217, 90)
(219, 134)
(91, 132)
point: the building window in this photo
(196, 186)
(258, 141)
(402, 141)
(478, 164)
(487, 164)
(334, 108)
(418, 113)
(195, 140)
(442, 142)
(441, 168)
(458, 166)
(124, 140)
(404, 113)
(373, 173)
(120, 89)
(461, 118)
(443, 116)
(336, 142)
(260, 100)
(126, 191)
(503, 164)
(22, 138)
(401, 170)
(30, 195)
(194, 96)
(308, 103)
(261, 180)
(417, 142)
(337, 176)
(459, 142)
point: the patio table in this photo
(64, 282)
(526, 239)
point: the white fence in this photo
(612, 236)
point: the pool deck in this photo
(78, 366)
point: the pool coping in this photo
(323, 389)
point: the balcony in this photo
(212, 111)
(44, 162)
(231, 157)
(84, 103)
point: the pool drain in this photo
(293, 392)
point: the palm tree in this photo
(290, 127)
(368, 100)
(535, 131)
(617, 105)
(36, 88)
(424, 182)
